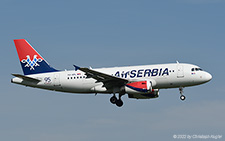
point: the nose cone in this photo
(208, 76)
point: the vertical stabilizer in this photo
(31, 61)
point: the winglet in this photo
(76, 67)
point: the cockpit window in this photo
(196, 69)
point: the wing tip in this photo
(76, 67)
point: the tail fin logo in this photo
(32, 63)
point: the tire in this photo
(182, 97)
(113, 100)
(119, 103)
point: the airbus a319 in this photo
(140, 82)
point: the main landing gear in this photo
(182, 97)
(116, 101)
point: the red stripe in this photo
(139, 84)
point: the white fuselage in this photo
(163, 76)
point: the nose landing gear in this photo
(182, 97)
(116, 101)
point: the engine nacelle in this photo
(141, 90)
(139, 87)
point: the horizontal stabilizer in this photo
(27, 78)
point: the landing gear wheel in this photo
(119, 103)
(182, 97)
(113, 99)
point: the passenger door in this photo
(180, 71)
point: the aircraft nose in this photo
(208, 76)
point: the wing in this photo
(109, 81)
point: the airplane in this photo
(139, 82)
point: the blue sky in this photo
(105, 33)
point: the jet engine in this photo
(141, 90)
(138, 87)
